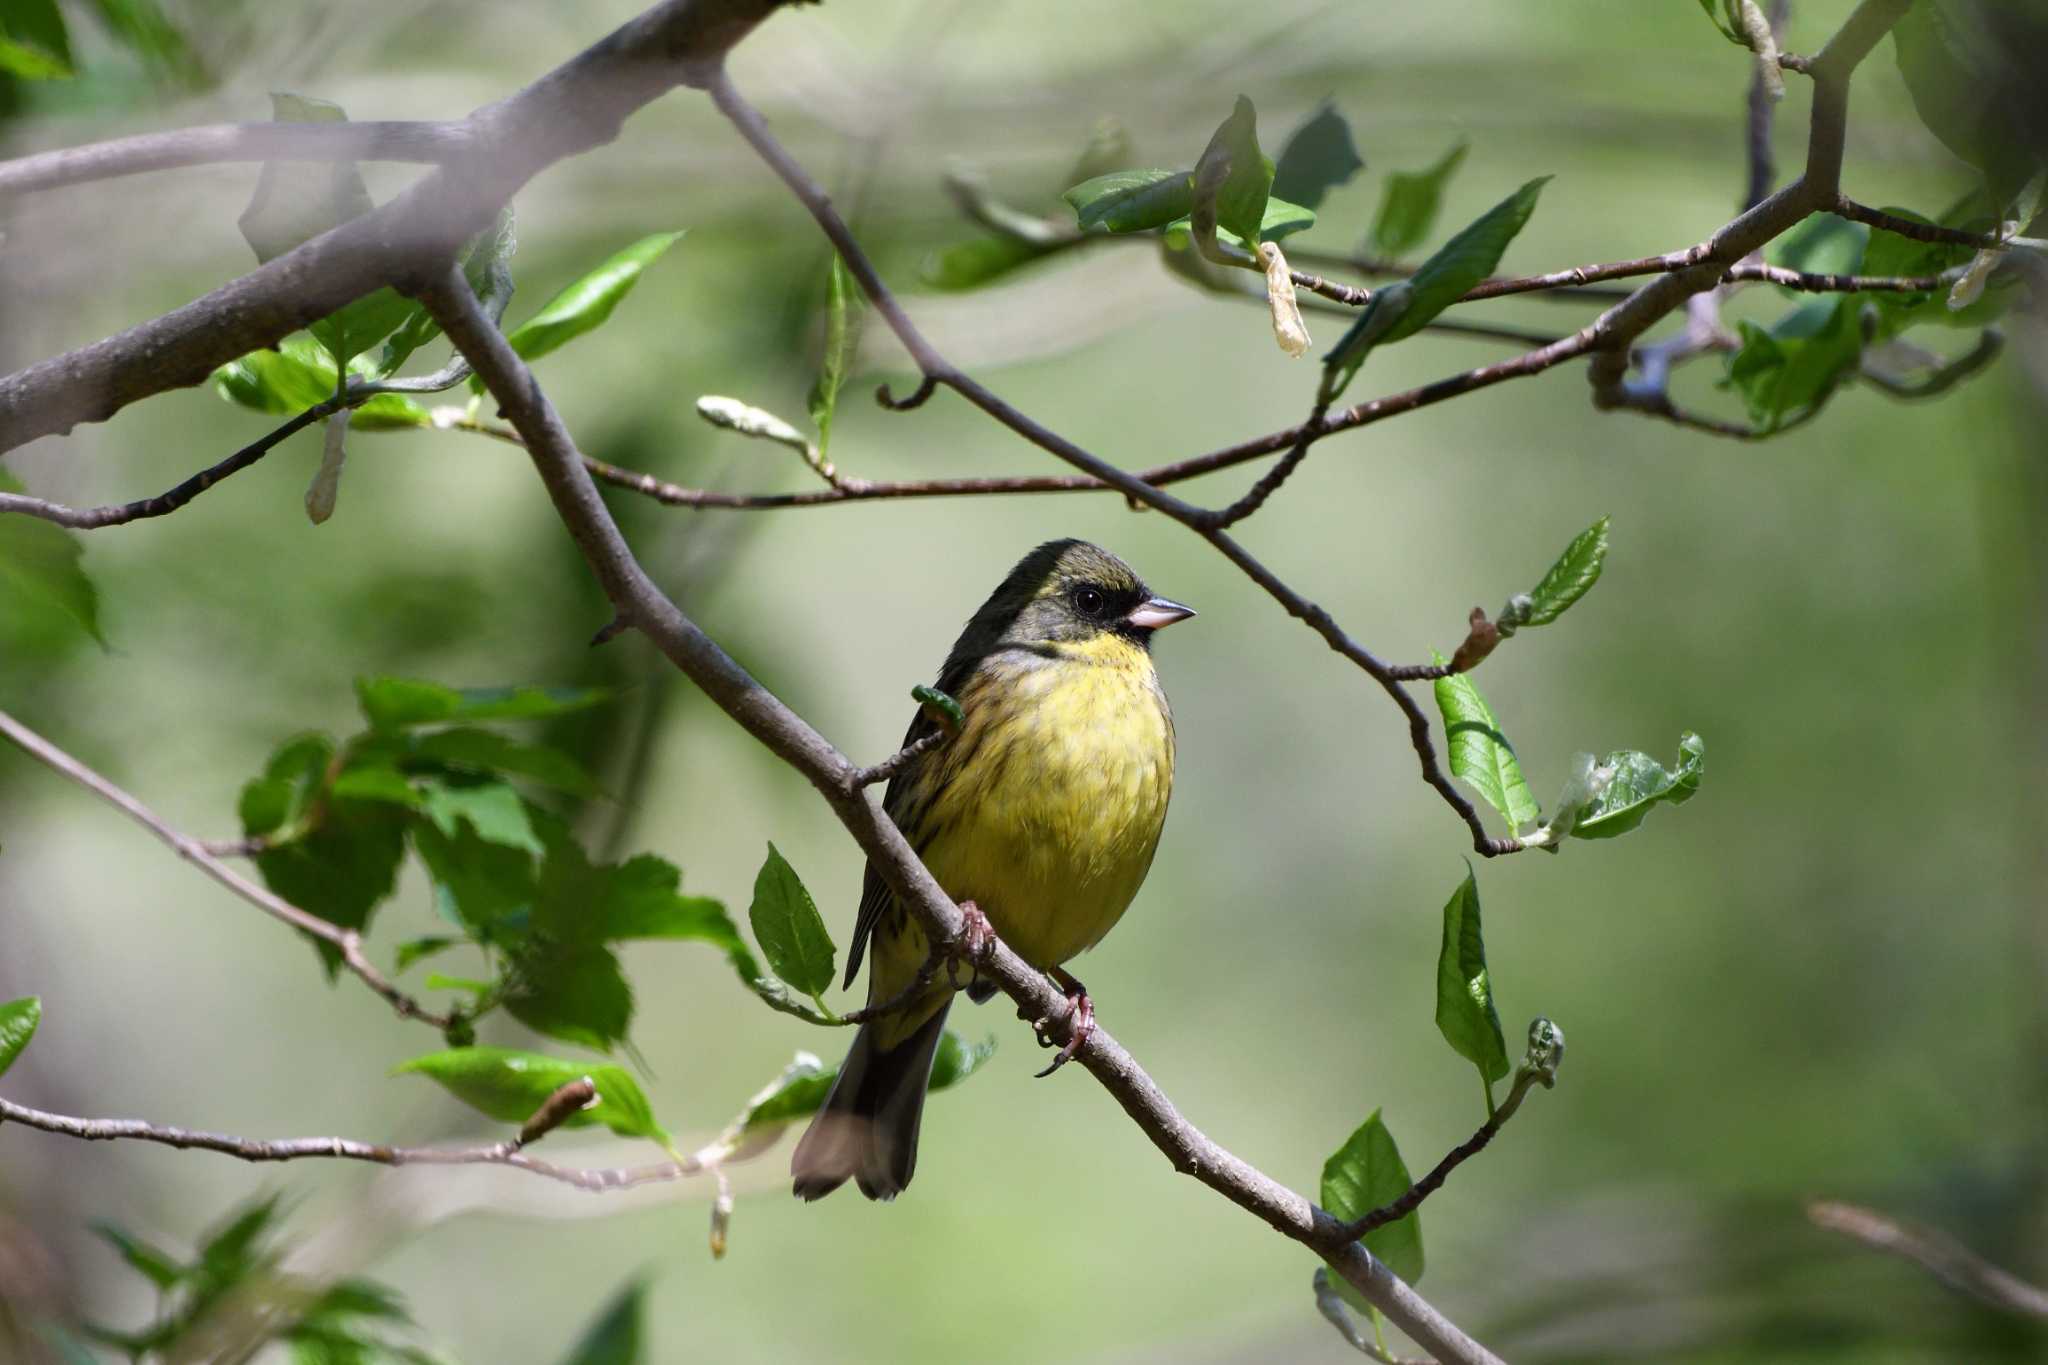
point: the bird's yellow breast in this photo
(1059, 783)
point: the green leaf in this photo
(1480, 753)
(1364, 1174)
(1317, 158)
(1282, 220)
(1957, 97)
(18, 1021)
(390, 412)
(574, 992)
(789, 928)
(641, 901)
(801, 1088)
(586, 304)
(376, 782)
(342, 868)
(486, 890)
(1409, 205)
(295, 774)
(397, 703)
(360, 325)
(39, 562)
(31, 63)
(152, 1264)
(509, 1085)
(1465, 1014)
(978, 261)
(299, 374)
(1727, 27)
(1890, 253)
(488, 752)
(1797, 363)
(1821, 244)
(1232, 178)
(1569, 579)
(418, 949)
(842, 309)
(1132, 201)
(492, 809)
(615, 1337)
(1401, 309)
(1638, 782)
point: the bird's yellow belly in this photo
(1074, 766)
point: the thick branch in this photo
(346, 942)
(636, 599)
(579, 105)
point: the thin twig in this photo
(1907, 227)
(346, 942)
(228, 142)
(901, 759)
(1948, 1260)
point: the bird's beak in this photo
(1157, 612)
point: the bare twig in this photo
(635, 596)
(225, 142)
(1907, 227)
(346, 942)
(1945, 377)
(1948, 1260)
(901, 759)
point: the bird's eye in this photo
(1088, 601)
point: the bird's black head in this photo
(1068, 592)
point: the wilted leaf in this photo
(1635, 782)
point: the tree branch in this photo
(212, 144)
(638, 600)
(347, 942)
(1948, 1260)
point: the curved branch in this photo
(638, 600)
(346, 942)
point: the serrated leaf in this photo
(574, 992)
(1480, 753)
(1638, 782)
(1232, 179)
(153, 1264)
(342, 868)
(642, 900)
(1364, 1174)
(486, 890)
(398, 703)
(842, 309)
(587, 303)
(1317, 157)
(1132, 201)
(492, 809)
(614, 1338)
(40, 563)
(1465, 1012)
(1401, 309)
(294, 776)
(788, 927)
(486, 751)
(18, 1022)
(510, 1085)
(376, 782)
(1569, 579)
(1410, 202)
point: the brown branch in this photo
(577, 106)
(229, 142)
(637, 599)
(558, 1108)
(1848, 208)
(1762, 106)
(901, 759)
(1842, 284)
(1948, 1260)
(347, 942)
(1945, 377)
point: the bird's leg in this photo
(977, 944)
(1080, 1019)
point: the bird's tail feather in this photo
(867, 1128)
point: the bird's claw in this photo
(1080, 1022)
(976, 945)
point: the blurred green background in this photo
(1823, 977)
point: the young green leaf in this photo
(614, 1338)
(341, 869)
(1569, 579)
(295, 775)
(1635, 782)
(1317, 158)
(31, 63)
(376, 781)
(1465, 1014)
(1282, 220)
(1409, 205)
(18, 1021)
(787, 925)
(641, 900)
(1797, 363)
(575, 992)
(418, 949)
(492, 809)
(298, 375)
(842, 333)
(486, 890)
(1480, 753)
(1364, 1174)
(1890, 253)
(487, 752)
(1403, 308)
(1821, 244)
(1232, 181)
(510, 1086)
(153, 1264)
(588, 302)
(398, 703)
(39, 562)
(1731, 26)
(801, 1088)
(1132, 201)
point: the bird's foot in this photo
(1080, 1021)
(976, 947)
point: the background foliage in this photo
(1822, 978)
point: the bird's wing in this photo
(904, 801)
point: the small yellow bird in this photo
(1042, 813)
